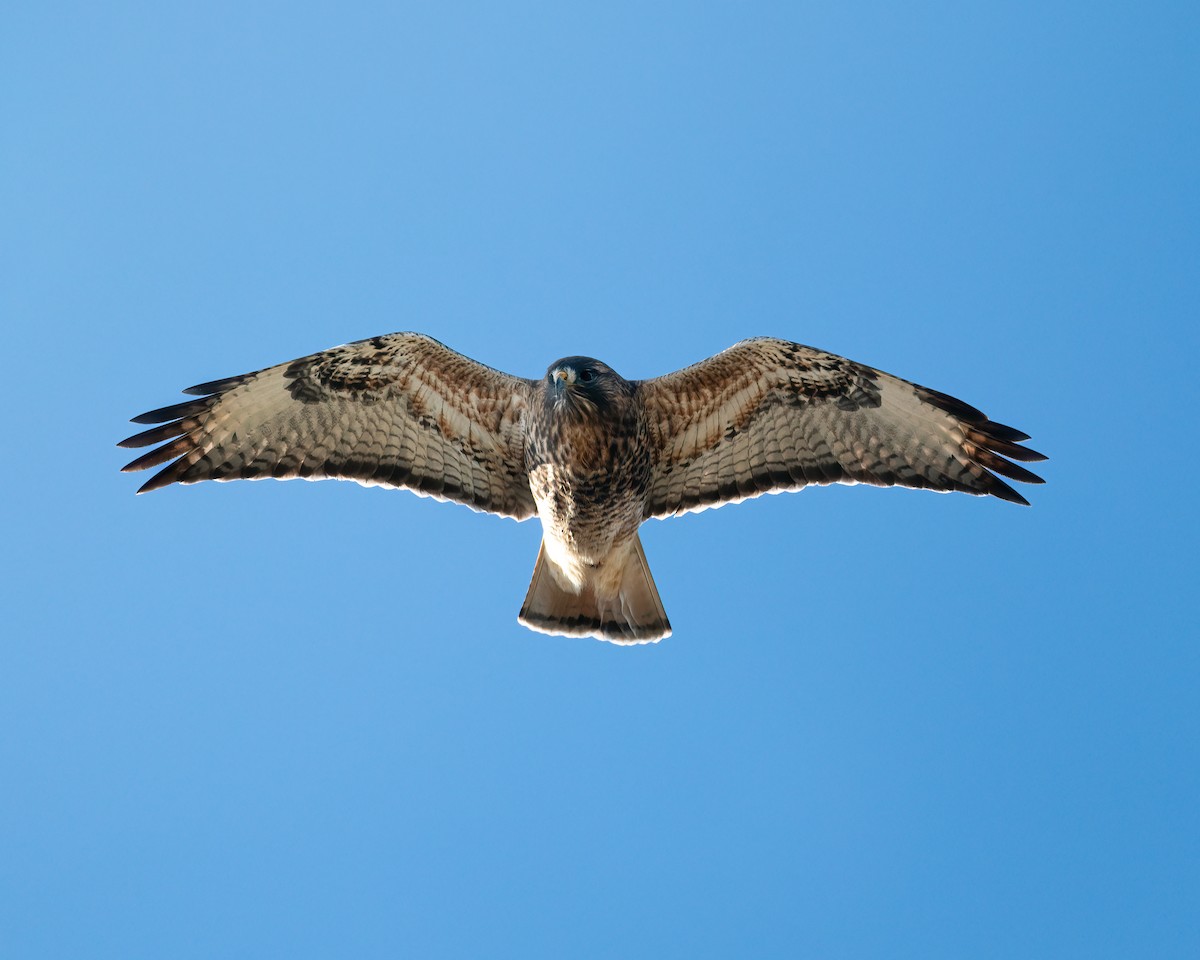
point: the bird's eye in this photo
(585, 375)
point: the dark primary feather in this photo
(400, 410)
(769, 415)
(219, 386)
(176, 411)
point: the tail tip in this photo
(622, 634)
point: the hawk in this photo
(588, 452)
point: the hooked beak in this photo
(563, 377)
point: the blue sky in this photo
(247, 720)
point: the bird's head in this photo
(583, 383)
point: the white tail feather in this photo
(634, 615)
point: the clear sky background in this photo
(300, 720)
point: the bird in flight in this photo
(589, 453)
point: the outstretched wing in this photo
(769, 415)
(400, 410)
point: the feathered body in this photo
(589, 453)
(588, 456)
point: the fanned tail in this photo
(634, 615)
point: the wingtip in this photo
(156, 482)
(211, 387)
(998, 488)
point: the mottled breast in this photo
(588, 456)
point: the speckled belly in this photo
(588, 519)
(589, 474)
